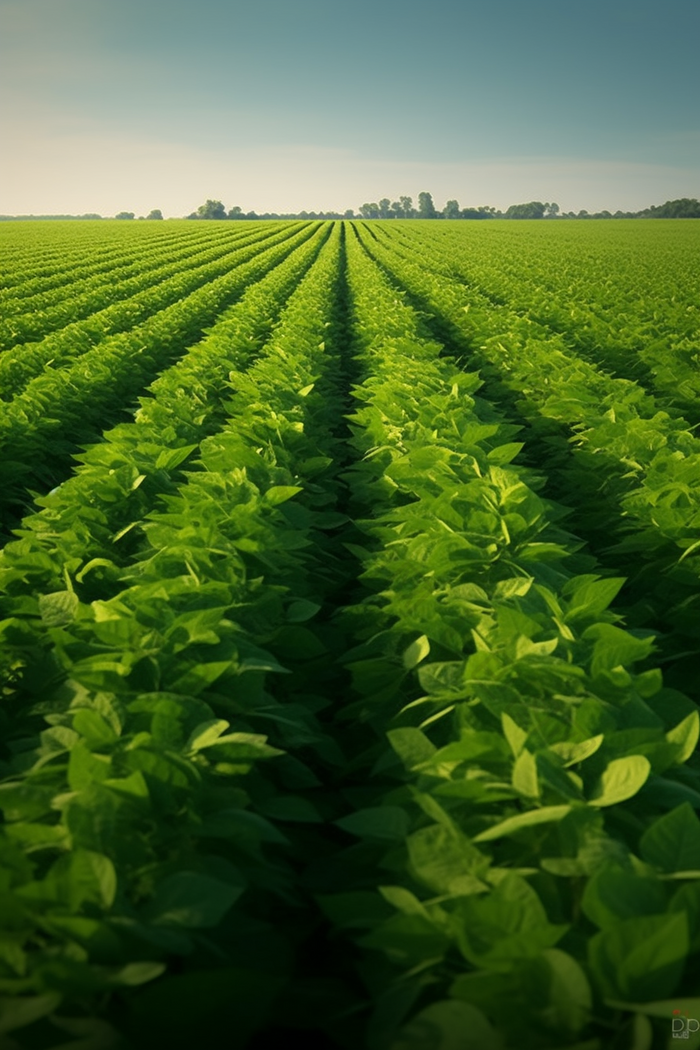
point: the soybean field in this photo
(350, 634)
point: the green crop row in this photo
(40, 257)
(141, 840)
(630, 470)
(530, 803)
(626, 308)
(97, 295)
(23, 363)
(61, 410)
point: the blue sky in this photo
(318, 104)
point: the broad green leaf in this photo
(169, 458)
(449, 1025)
(20, 1012)
(614, 647)
(622, 779)
(445, 861)
(503, 454)
(685, 735)
(545, 815)
(672, 843)
(59, 608)
(83, 876)
(280, 493)
(517, 587)
(571, 753)
(591, 596)
(640, 958)
(96, 731)
(291, 808)
(416, 652)
(379, 822)
(612, 894)
(206, 734)
(515, 736)
(137, 973)
(301, 611)
(661, 1008)
(403, 900)
(411, 745)
(191, 900)
(525, 775)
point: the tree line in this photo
(403, 208)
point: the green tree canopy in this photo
(211, 210)
(426, 208)
(155, 214)
(451, 210)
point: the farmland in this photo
(350, 588)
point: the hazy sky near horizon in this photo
(283, 105)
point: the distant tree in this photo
(125, 215)
(349, 214)
(531, 210)
(551, 210)
(396, 210)
(583, 214)
(235, 213)
(451, 210)
(684, 208)
(409, 211)
(211, 210)
(155, 214)
(369, 211)
(384, 208)
(426, 208)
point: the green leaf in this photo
(685, 736)
(191, 900)
(672, 843)
(19, 1012)
(449, 1025)
(613, 894)
(622, 779)
(545, 815)
(446, 861)
(83, 876)
(301, 611)
(571, 753)
(134, 974)
(169, 458)
(378, 822)
(515, 736)
(411, 745)
(59, 608)
(416, 652)
(206, 734)
(614, 647)
(525, 775)
(291, 808)
(96, 731)
(280, 493)
(640, 958)
(591, 596)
